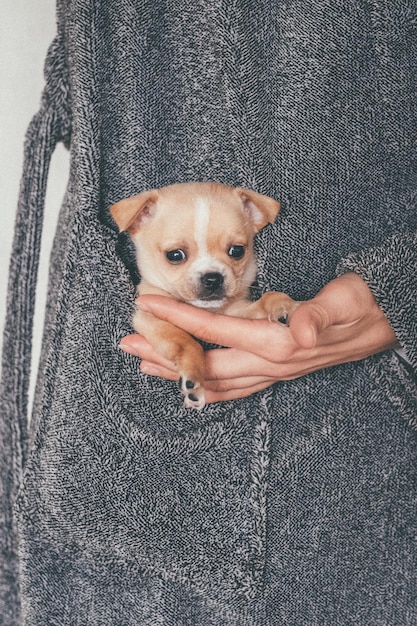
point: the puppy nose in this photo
(212, 281)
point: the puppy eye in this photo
(236, 252)
(176, 256)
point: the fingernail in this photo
(148, 369)
(313, 336)
(141, 305)
(125, 347)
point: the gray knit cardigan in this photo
(298, 505)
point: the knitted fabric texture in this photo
(294, 506)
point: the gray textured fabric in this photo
(297, 505)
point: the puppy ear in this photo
(260, 209)
(130, 213)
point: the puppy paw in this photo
(278, 306)
(193, 392)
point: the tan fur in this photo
(204, 221)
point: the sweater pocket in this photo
(188, 507)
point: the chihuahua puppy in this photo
(194, 243)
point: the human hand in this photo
(342, 323)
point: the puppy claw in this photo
(282, 319)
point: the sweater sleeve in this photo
(390, 271)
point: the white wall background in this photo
(26, 31)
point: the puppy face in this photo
(194, 241)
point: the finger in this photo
(137, 345)
(133, 344)
(234, 394)
(244, 382)
(152, 369)
(230, 368)
(224, 364)
(224, 330)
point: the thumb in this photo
(307, 322)
(340, 302)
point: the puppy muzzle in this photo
(211, 286)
